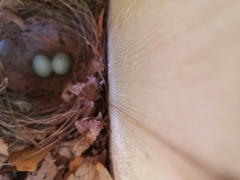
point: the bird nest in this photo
(43, 111)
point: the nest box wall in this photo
(174, 77)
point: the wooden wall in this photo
(174, 77)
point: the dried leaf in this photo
(47, 171)
(81, 126)
(74, 165)
(77, 89)
(90, 170)
(92, 135)
(85, 172)
(91, 125)
(81, 146)
(3, 148)
(88, 108)
(92, 89)
(103, 172)
(67, 95)
(97, 66)
(76, 146)
(17, 147)
(28, 159)
(64, 150)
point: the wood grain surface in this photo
(174, 77)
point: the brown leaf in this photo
(17, 147)
(76, 147)
(91, 125)
(88, 108)
(28, 159)
(67, 95)
(92, 89)
(90, 170)
(77, 89)
(81, 146)
(97, 66)
(92, 135)
(91, 138)
(74, 165)
(3, 148)
(103, 172)
(47, 171)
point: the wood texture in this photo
(174, 77)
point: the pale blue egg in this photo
(42, 65)
(61, 63)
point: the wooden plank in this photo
(174, 77)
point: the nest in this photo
(42, 111)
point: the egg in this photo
(61, 63)
(42, 65)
